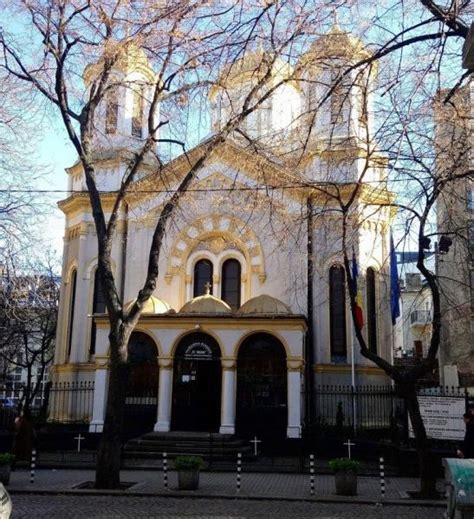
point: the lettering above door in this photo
(198, 350)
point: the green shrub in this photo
(344, 465)
(6, 458)
(188, 462)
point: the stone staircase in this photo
(213, 446)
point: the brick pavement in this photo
(105, 507)
(272, 485)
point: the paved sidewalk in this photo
(220, 484)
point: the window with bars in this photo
(98, 307)
(371, 310)
(337, 313)
(72, 302)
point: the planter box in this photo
(346, 483)
(188, 479)
(5, 474)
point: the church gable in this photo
(229, 167)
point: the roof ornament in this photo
(207, 286)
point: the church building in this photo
(251, 309)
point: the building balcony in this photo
(420, 318)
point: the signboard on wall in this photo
(442, 416)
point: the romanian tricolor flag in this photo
(359, 316)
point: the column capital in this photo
(229, 363)
(165, 362)
(294, 364)
(101, 361)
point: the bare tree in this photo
(188, 43)
(29, 295)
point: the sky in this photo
(56, 153)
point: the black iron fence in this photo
(375, 410)
(62, 402)
(360, 409)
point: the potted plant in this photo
(6, 459)
(345, 473)
(188, 471)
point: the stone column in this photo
(229, 387)
(101, 381)
(165, 389)
(295, 368)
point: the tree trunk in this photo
(109, 456)
(425, 457)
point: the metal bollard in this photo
(33, 466)
(311, 473)
(165, 471)
(382, 478)
(239, 468)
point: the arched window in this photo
(202, 276)
(339, 99)
(371, 310)
(137, 116)
(337, 313)
(98, 307)
(230, 292)
(111, 111)
(72, 302)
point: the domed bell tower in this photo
(121, 119)
(337, 121)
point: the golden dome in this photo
(264, 305)
(337, 43)
(206, 304)
(131, 58)
(251, 67)
(154, 305)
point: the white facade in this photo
(270, 235)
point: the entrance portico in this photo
(217, 370)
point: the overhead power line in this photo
(268, 187)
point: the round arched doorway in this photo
(261, 387)
(142, 385)
(196, 384)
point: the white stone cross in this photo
(255, 442)
(79, 438)
(207, 287)
(349, 445)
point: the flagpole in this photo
(353, 381)
(358, 322)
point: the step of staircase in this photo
(208, 445)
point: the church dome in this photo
(337, 43)
(206, 304)
(154, 305)
(251, 67)
(264, 305)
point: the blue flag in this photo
(394, 285)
